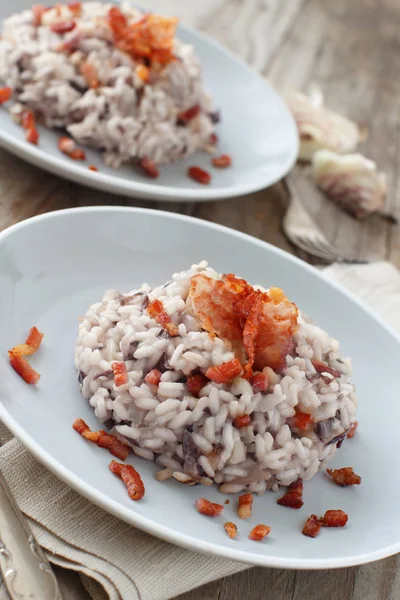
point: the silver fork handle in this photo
(26, 572)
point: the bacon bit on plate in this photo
(334, 518)
(213, 139)
(156, 310)
(222, 162)
(150, 37)
(195, 383)
(64, 27)
(230, 529)
(32, 136)
(210, 509)
(75, 7)
(294, 496)
(352, 430)
(93, 168)
(301, 421)
(89, 72)
(242, 421)
(259, 381)
(245, 504)
(227, 501)
(186, 116)
(344, 476)
(312, 526)
(322, 367)
(259, 532)
(17, 360)
(149, 167)
(23, 368)
(153, 377)
(143, 73)
(102, 439)
(70, 149)
(27, 118)
(260, 325)
(130, 477)
(5, 94)
(120, 373)
(199, 175)
(38, 11)
(225, 372)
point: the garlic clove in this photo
(352, 181)
(319, 127)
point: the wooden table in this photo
(352, 50)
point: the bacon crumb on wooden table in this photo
(312, 526)
(245, 503)
(130, 477)
(259, 532)
(294, 496)
(230, 529)
(344, 476)
(210, 509)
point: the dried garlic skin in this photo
(319, 127)
(352, 181)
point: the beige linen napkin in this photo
(116, 561)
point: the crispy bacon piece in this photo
(334, 518)
(186, 116)
(149, 167)
(153, 377)
(102, 439)
(259, 532)
(344, 476)
(225, 372)
(200, 175)
(210, 509)
(245, 504)
(27, 118)
(230, 529)
(352, 430)
(17, 360)
(70, 149)
(89, 72)
(143, 73)
(75, 7)
(260, 325)
(294, 496)
(259, 381)
(23, 368)
(195, 383)
(312, 526)
(38, 11)
(63, 27)
(156, 310)
(242, 421)
(120, 373)
(5, 94)
(301, 421)
(222, 162)
(93, 168)
(130, 477)
(32, 136)
(150, 37)
(322, 367)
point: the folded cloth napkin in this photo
(114, 560)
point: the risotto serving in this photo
(216, 380)
(116, 79)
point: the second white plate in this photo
(257, 130)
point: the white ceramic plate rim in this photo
(117, 185)
(144, 523)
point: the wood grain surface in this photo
(351, 48)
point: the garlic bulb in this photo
(352, 181)
(319, 127)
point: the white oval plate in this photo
(257, 130)
(53, 266)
